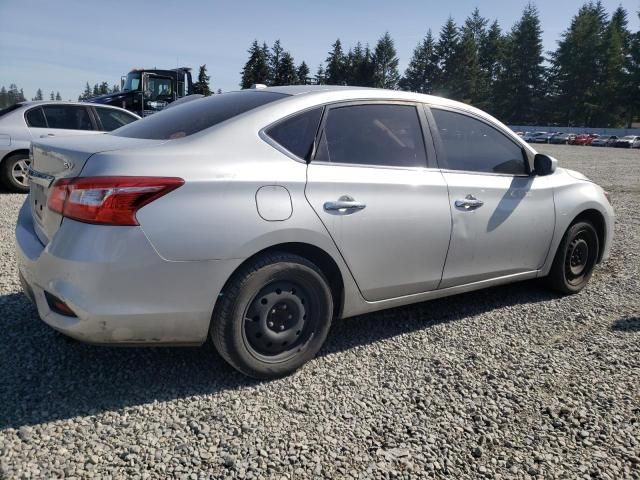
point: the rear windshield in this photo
(191, 117)
(10, 109)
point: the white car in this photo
(258, 217)
(26, 121)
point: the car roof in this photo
(359, 93)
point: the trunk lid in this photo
(65, 157)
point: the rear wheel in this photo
(13, 172)
(575, 259)
(273, 315)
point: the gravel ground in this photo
(511, 382)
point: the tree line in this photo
(591, 79)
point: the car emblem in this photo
(67, 165)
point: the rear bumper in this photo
(120, 289)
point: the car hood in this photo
(576, 175)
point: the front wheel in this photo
(273, 315)
(14, 172)
(575, 259)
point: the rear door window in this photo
(68, 117)
(297, 133)
(111, 118)
(373, 134)
(35, 118)
(192, 117)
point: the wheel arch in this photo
(596, 218)
(13, 152)
(319, 257)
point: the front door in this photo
(386, 211)
(503, 218)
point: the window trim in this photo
(265, 136)
(429, 151)
(441, 154)
(41, 106)
(28, 110)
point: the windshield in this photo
(132, 82)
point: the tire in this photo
(575, 259)
(273, 315)
(13, 172)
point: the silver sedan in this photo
(23, 122)
(256, 218)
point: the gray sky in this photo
(61, 45)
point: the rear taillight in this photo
(108, 200)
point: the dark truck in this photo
(146, 91)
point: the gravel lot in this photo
(511, 382)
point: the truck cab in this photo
(145, 92)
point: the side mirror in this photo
(544, 164)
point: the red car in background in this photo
(584, 139)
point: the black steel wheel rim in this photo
(280, 320)
(580, 257)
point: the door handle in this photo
(469, 203)
(345, 204)
(48, 135)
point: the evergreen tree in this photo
(104, 88)
(87, 92)
(115, 88)
(446, 50)
(421, 73)
(385, 63)
(577, 67)
(58, 96)
(466, 66)
(286, 72)
(96, 90)
(38, 95)
(616, 43)
(490, 58)
(476, 26)
(52, 96)
(336, 71)
(360, 66)
(219, 91)
(202, 85)
(275, 57)
(320, 78)
(303, 74)
(632, 83)
(256, 70)
(519, 87)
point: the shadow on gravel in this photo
(629, 324)
(44, 376)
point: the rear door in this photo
(383, 204)
(60, 120)
(503, 217)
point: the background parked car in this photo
(583, 139)
(561, 138)
(630, 141)
(604, 141)
(23, 122)
(536, 137)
